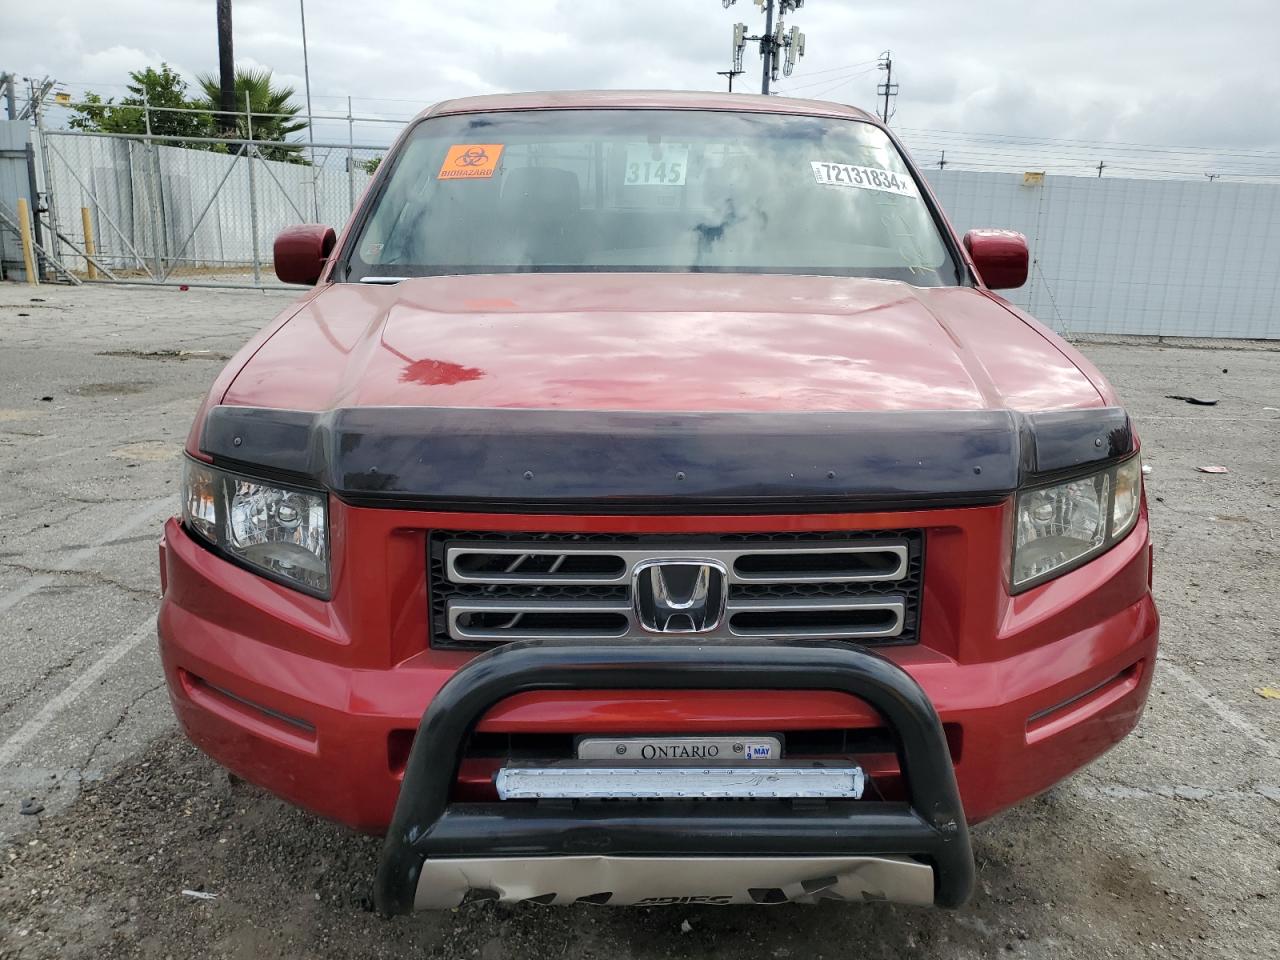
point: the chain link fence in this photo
(129, 208)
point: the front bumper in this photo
(318, 702)
(866, 848)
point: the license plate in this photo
(680, 750)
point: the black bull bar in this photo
(929, 825)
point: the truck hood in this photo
(660, 342)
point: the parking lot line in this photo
(40, 581)
(16, 596)
(1214, 703)
(49, 712)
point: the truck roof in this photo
(646, 99)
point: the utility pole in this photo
(37, 90)
(773, 42)
(766, 48)
(888, 88)
(730, 74)
(311, 137)
(1213, 176)
(9, 101)
(942, 161)
(226, 70)
(1101, 167)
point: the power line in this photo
(1080, 153)
(986, 162)
(1029, 159)
(1085, 149)
(821, 94)
(827, 80)
(847, 66)
(972, 135)
(1014, 159)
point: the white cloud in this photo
(1135, 70)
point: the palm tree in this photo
(271, 111)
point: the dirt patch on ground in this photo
(105, 879)
(151, 451)
(166, 354)
(117, 389)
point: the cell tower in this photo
(780, 48)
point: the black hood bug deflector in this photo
(639, 461)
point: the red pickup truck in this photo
(650, 503)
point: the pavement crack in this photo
(90, 575)
(116, 724)
(37, 683)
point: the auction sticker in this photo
(865, 178)
(661, 166)
(470, 161)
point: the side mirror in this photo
(300, 252)
(1000, 256)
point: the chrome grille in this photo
(491, 587)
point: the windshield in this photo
(650, 190)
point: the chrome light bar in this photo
(676, 783)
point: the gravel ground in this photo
(1168, 846)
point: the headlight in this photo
(1059, 527)
(278, 531)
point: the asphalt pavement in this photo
(1168, 846)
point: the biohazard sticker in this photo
(470, 161)
(865, 178)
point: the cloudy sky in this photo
(1152, 72)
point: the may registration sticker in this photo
(865, 178)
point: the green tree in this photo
(273, 114)
(163, 91)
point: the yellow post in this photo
(28, 251)
(86, 218)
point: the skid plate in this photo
(659, 881)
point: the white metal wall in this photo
(14, 183)
(1109, 255)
